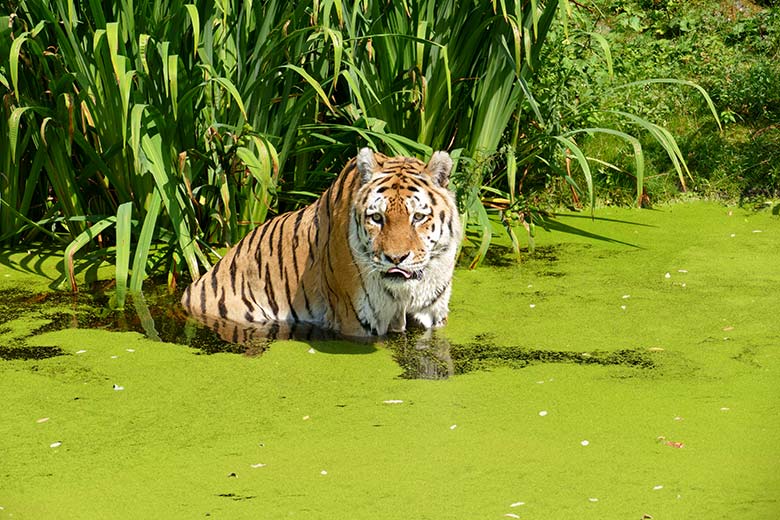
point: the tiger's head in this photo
(406, 222)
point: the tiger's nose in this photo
(397, 259)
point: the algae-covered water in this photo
(629, 369)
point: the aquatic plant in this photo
(154, 131)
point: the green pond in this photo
(628, 369)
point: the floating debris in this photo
(585, 442)
(623, 307)
(626, 296)
(517, 504)
(656, 488)
(42, 420)
(511, 515)
(80, 351)
(323, 472)
(543, 413)
(118, 388)
(393, 401)
(131, 350)
(55, 444)
(533, 305)
(668, 275)
(453, 426)
(728, 329)
(258, 465)
(725, 409)
(306, 417)
(682, 271)
(311, 351)
(593, 499)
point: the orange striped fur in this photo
(377, 249)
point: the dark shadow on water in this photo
(557, 225)
(420, 354)
(26, 353)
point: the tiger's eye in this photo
(418, 217)
(376, 217)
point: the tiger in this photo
(373, 255)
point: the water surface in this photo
(629, 367)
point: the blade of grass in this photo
(144, 243)
(123, 225)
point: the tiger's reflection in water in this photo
(421, 354)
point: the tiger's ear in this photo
(440, 167)
(366, 164)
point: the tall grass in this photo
(155, 130)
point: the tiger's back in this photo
(377, 248)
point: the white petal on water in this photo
(516, 504)
(626, 296)
(114, 357)
(585, 442)
(130, 350)
(656, 488)
(55, 444)
(593, 499)
(80, 351)
(682, 271)
(323, 472)
(542, 413)
(533, 305)
(117, 388)
(668, 275)
(758, 231)
(511, 515)
(42, 420)
(725, 409)
(453, 426)
(623, 307)
(258, 465)
(733, 235)
(393, 401)
(312, 351)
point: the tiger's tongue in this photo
(405, 274)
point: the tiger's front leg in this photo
(435, 315)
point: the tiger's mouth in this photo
(396, 273)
